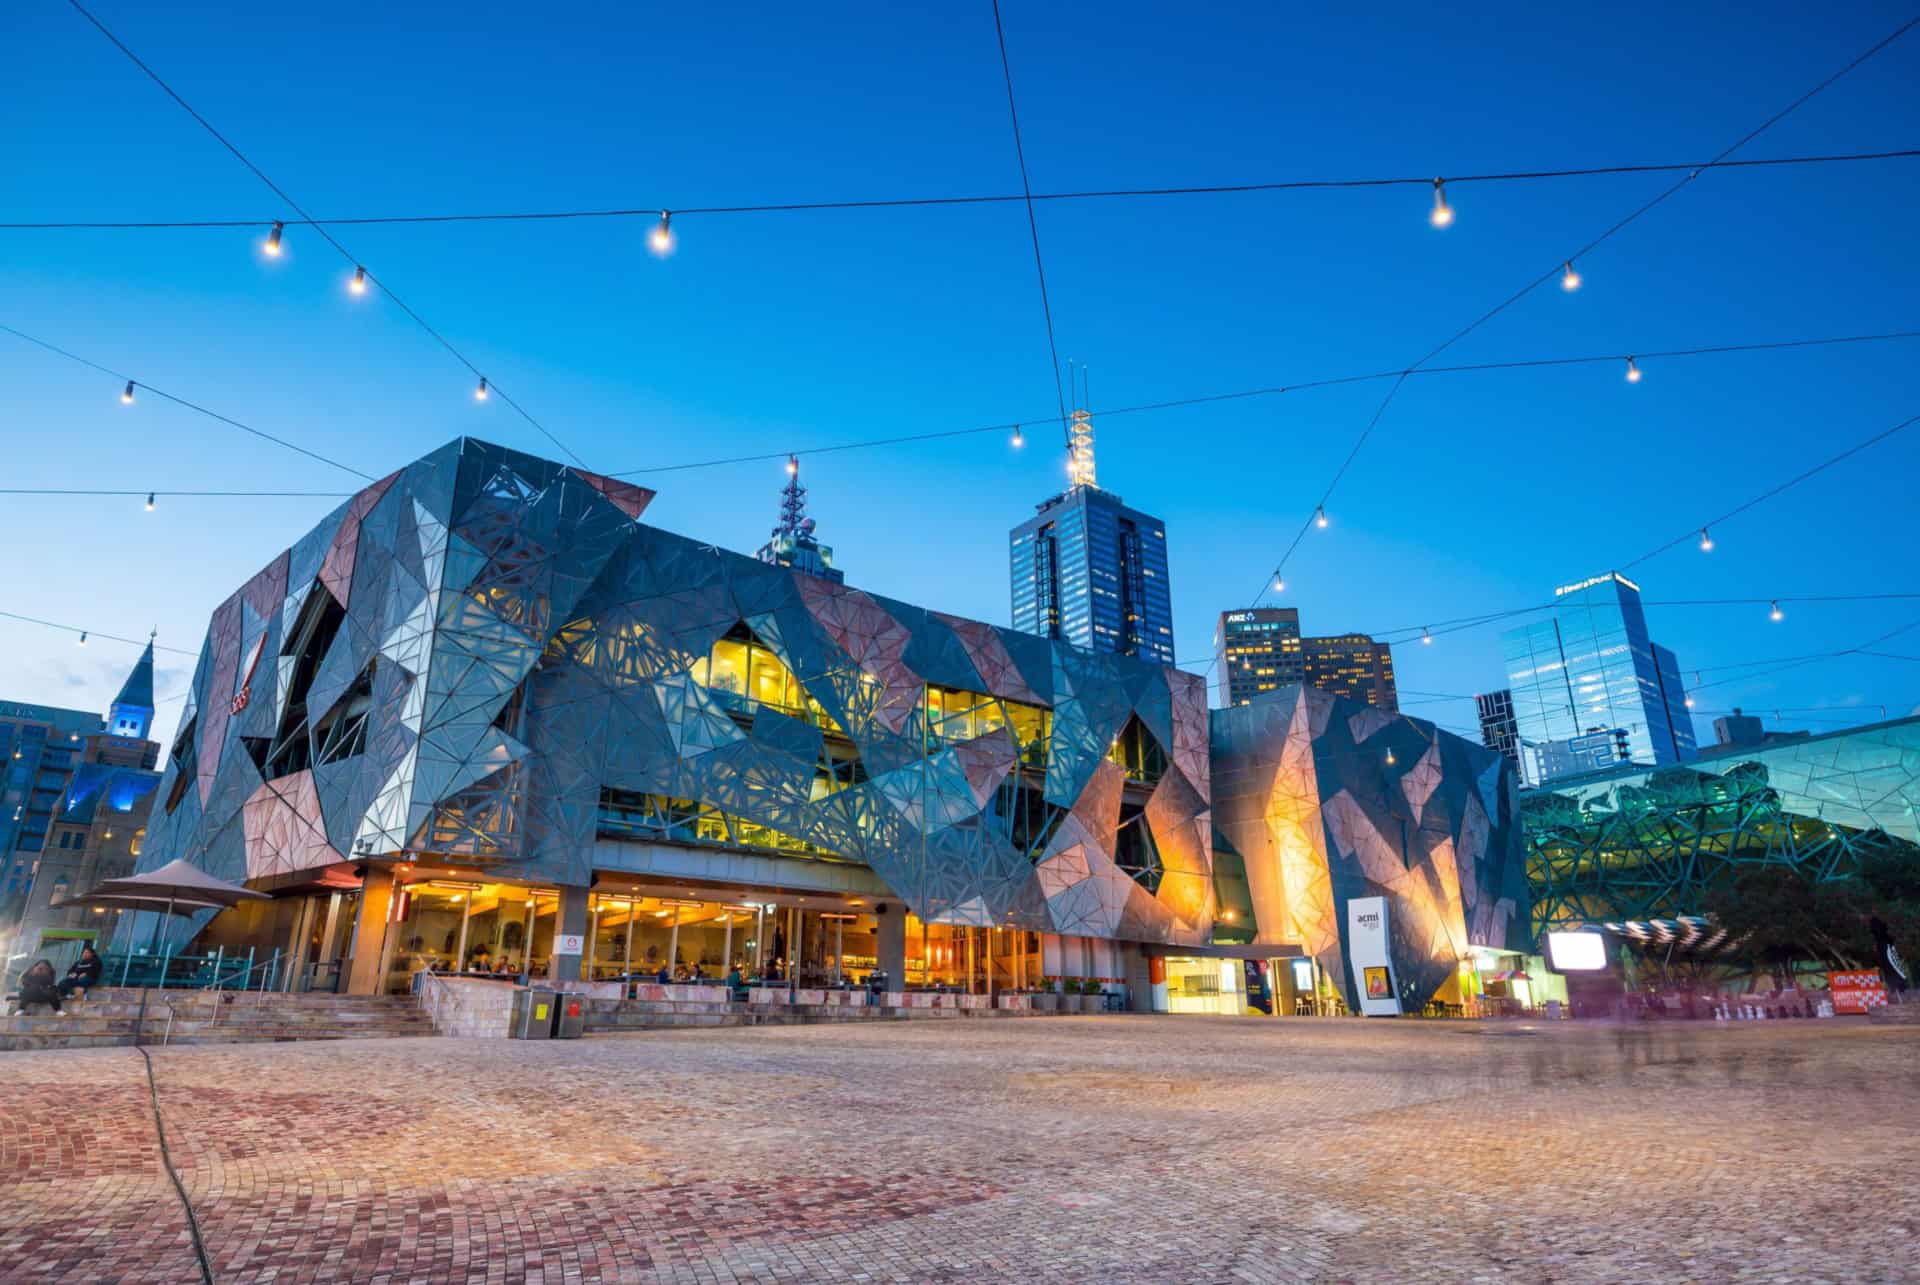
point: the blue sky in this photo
(778, 332)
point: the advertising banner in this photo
(1857, 992)
(1369, 958)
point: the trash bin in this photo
(533, 1013)
(569, 1016)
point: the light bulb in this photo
(1426, 635)
(1569, 279)
(1320, 516)
(793, 466)
(480, 393)
(1442, 214)
(83, 637)
(359, 283)
(660, 240)
(272, 247)
(1774, 613)
(1389, 756)
(149, 501)
(1019, 438)
(126, 394)
(1633, 372)
(1689, 702)
(1706, 541)
(1279, 584)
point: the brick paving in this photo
(1070, 1149)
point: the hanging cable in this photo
(274, 237)
(83, 633)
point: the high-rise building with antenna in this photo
(1088, 569)
(792, 543)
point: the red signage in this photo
(1857, 992)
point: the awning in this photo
(1684, 932)
(176, 888)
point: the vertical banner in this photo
(1368, 958)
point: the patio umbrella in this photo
(176, 888)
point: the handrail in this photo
(432, 995)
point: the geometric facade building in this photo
(1636, 844)
(1320, 800)
(482, 710)
(486, 659)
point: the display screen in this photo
(1302, 975)
(1579, 952)
(1379, 985)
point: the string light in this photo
(793, 465)
(1442, 215)
(1706, 541)
(150, 495)
(480, 393)
(272, 247)
(1390, 759)
(359, 283)
(1633, 372)
(83, 638)
(1279, 583)
(1426, 635)
(1775, 613)
(126, 394)
(1569, 279)
(1320, 516)
(1019, 438)
(1689, 702)
(660, 240)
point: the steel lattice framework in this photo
(1640, 844)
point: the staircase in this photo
(108, 1016)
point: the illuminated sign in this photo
(1239, 617)
(1592, 581)
(1577, 952)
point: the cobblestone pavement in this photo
(1070, 1149)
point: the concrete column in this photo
(570, 922)
(297, 945)
(891, 945)
(366, 969)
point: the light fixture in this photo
(660, 240)
(1569, 279)
(1320, 516)
(272, 247)
(1633, 372)
(1279, 583)
(359, 283)
(1390, 759)
(480, 393)
(83, 637)
(149, 501)
(1706, 541)
(126, 394)
(1442, 212)
(1774, 612)
(1426, 635)
(1019, 438)
(793, 465)
(1689, 702)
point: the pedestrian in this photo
(84, 975)
(38, 987)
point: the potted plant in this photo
(1044, 999)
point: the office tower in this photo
(1257, 650)
(1353, 666)
(792, 543)
(1589, 681)
(1498, 731)
(1089, 570)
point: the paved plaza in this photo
(1068, 1149)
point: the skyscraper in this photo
(1090, 570)
(1498, 731)
(1257, 650)
(1589, 673)
(1353, 666)
(792, 543)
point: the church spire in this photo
(131, 714)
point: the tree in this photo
(1776, 915)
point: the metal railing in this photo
(218, 971)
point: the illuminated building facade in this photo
(1088, 570)
(1589, 673)
(1634, 843)
(483, 716)
(1257, 650)
(1498, 730)
(1353, 666)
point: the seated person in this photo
(37, 987)
(503, 967)
(480, 963)
(84, 975)
(736, 984)
(694, 974)
(664, 976)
